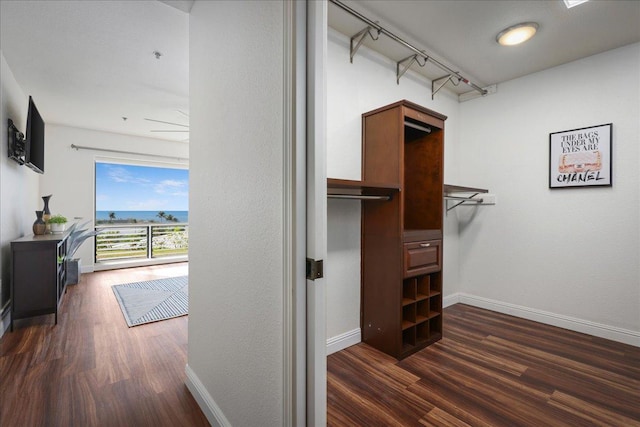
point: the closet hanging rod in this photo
(407, 45)
(357, 197)
(108, 150)
(462, 200)
(415, 126)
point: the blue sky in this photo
(141, 188)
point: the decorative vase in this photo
(39, 226)
(57, 228)
(73, 271)
(46, 213)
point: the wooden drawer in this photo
(422, 257)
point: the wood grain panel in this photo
(424, 181)
(381, 268)
(381, 155)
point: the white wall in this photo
(70, 174)
(571, 253)
(235, 363)
(352, 89)
(19, 197)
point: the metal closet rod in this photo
(108, 150)
(357, 197)
(407, 45)
(463, 200)
(416, 126)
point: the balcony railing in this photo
(140, 241)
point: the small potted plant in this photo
(58, 223)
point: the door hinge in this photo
(314, 269)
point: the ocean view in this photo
(141, 216)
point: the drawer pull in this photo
(425, 245)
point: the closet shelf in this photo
(449, 189)
(357, 190)
(469, 195)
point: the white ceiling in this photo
(89, 63)
(462, 34)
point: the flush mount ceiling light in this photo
(571, 3)
(517, 34)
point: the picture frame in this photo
(581, 157)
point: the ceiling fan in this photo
(186, 127)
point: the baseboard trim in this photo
(5, 320)
(613, 333)
(143, 262)
(450, 300)
(342, 341)
(209, 407)
(86, 268)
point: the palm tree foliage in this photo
(171, 218)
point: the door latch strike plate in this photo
(314, 269)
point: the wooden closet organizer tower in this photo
(403, 149)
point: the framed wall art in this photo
(581, 157)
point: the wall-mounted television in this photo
(34, 144)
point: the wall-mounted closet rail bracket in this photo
(469, 196)
(419, 53)
(359, 38)
(357, 190)
(444, 79)
(411, 60)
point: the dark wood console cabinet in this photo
(402, 148)
(38, 275)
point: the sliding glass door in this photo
(141, 212)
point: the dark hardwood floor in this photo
(91, 369)
(489, 370)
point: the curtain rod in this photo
(108, 150)
(407, 45)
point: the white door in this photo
(316, 211)
(310, 366)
